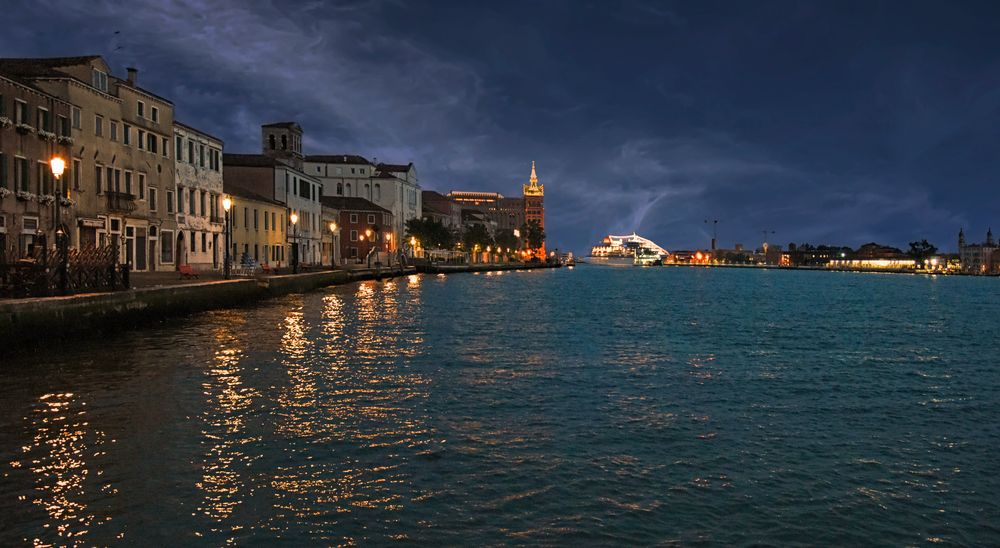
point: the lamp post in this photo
(58, 166)
(295, 242)
(517, 234)
(227, 204)
(333, 245)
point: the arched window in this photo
(340, 189)
(368, 193)
(348, 189)
(270, 140)
(378, 191)
(284, 142)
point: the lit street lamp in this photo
(227, 204)
(295, 242)
(58, 166)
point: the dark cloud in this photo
(831, 122)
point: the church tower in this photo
(283, 141)
(534, 202)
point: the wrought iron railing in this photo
(121, 202)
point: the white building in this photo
(394, 187)
(198, 195)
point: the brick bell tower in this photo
(534, 204)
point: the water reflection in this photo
(60, 457)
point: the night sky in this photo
(835, 122)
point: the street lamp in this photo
(295, 242)
(333, 245)
(227, 204)
(58, 166)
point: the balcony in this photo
(216, 219)
(120, 202)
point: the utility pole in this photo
(715, 232)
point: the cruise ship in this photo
(630, 249)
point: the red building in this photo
(363, 226)
(534, 205)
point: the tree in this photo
(430, 233)
(920, 251)
(505, 239)
(476, 235)
(534, 234)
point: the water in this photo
(588, 406)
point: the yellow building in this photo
(259, 228)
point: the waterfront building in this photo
(394, 187)
(873, 256)
(121, 161)
(330, 238)
(534, 205)
(362, 227)
(438, 207)
(199, 214)
(258, 227)
(34, 127)
(278, 175)
(979, 258)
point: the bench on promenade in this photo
(187, 271)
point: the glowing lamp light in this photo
(58, 166)
(294, 218)
(227, 203)
(333, 227)
(413, 241)
(698, 255)
(388, 237)
(368, 233)
(517, 233)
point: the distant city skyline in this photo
(830, 123)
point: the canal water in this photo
(594, 405)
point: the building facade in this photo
(534, 203)
(363, 227)
(121, 159)
(198, 178)
(34, 128)
(438, 207)
(277, 175)
(258, 229)
(981, 258)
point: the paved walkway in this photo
(162, 279)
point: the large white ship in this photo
(629, 249)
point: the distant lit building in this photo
(979, 258)
(873, 256)
(534, 204)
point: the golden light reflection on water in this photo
(228, 398)
(60, 456)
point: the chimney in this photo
(132, 72)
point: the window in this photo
(100, 80)
(20, 112)
(354, 235)
(43, 178)
(191, 151)
(3, 170)
(63, 126)
(21, 177)
(255, 219)
(362, 171)
(152, 195)
(378, 191)
(348, 189)
(201, 155)
(354, 253)
(178, 148)
(246, 218)
(202, 197)
(77, 115)
(140, 109)
(194, 243)
(166, 247)
(340, 189)
(204, 244)
(371, 219)
(98, 178)
(352, 170)
(128, 184)
(284, 142)
(126, 134)
(142, 186)
(191, 203)
(180, 200)
(166, 146)
(156, 114)
(98, 125)
(354, 218)
(141, 137)
(273, 225)
(270, 141)
(118, 180)
(266, 219)
(170, 200)
(43, 119)
(114, 130)
(152, 143)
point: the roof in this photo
(383, 175)
(249, 160)
(42, 66)
(396, 168)
(338, 159)
(351, 203)
(283, 124)
(196, 130)
(246, 194)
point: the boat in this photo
(630, 249)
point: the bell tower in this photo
(534, 202)
(283, 141)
